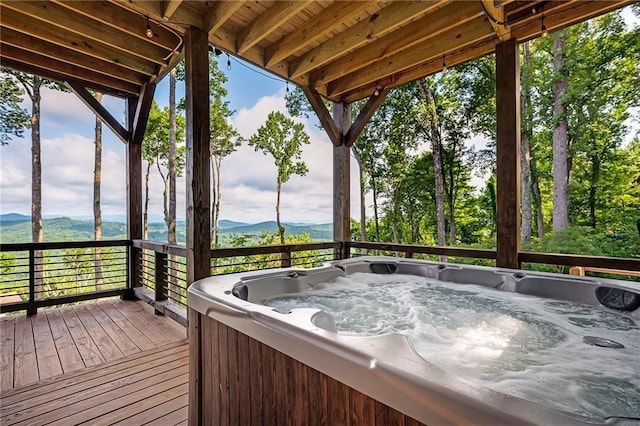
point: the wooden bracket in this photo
(365, 115)
(323, 115)
(99, 110)
(141, 115)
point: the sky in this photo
(248, 177)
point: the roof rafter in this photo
(497, 18)
(170, 6)
(418, 31)
(219, 14)
(457, 37)
(315, 28)
(385, 21)
(267, 22)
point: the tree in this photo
(170, 212)
(525, 156)
(224, 139)
(560, 135)
(13, 118)
(282, 138)
(97, 181)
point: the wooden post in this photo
(31, 309)
(198, 173)
(342, 179)
(161, 283)
(508, 154)
(134, 202)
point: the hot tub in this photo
(379, 340)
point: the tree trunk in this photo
(560, 133)
(537, 198)
(363, 207)
(145, 223)
(374, 189)
(436, 149)
(171, 217)
(593, 188)
(280, 227)
(36, 183)
(216, 220)
(525, 159)
(214, 196)
(97, 213)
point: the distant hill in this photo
(16, 228)
(14, 217)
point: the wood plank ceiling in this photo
(342, 50)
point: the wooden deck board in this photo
(25, 365)
(146, 328)
(46, 354)
(7, 328)
(68, 353)
(88, 350)
(137, 388)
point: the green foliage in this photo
(13, 118)
(155, 144)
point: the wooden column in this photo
(198, 173)
(508, 154)
(134, 199)
(342, 177)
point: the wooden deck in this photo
(101, 363)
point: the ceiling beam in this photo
(220, 13)
(99, 110)
(497, 18)
(428, 27)
(333, 16)
(51, 75)
(65, 70)
(74, 42)
(124, 20)
(55, 52)
(565, 15)
(477, 50)
(456, 38)
(365, 115)
(268, 21)
(329, 125)
(364, 32)
(170, 6)
(93, 30)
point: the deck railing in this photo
(47, 274)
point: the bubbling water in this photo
(520, 345)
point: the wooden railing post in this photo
(31, 309)
(161, 283)
(285, 258)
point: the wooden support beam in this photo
(65, 70)
(342, 177)
(456, 38)
(279, 13)
(134, 199)
(508, 154)
(99, 110)
(170, 6)
(71, 41)
(365, 115)
(323, 23)
(143, 107)
(364, 32)
(198, 173)
(497, 19)
(220, 13)
(91, 30)
(418, 31)
(323, 115)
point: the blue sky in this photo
(248, 182)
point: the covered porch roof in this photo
(342, 50)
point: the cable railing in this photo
(48, 274)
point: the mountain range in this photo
(16, 228)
